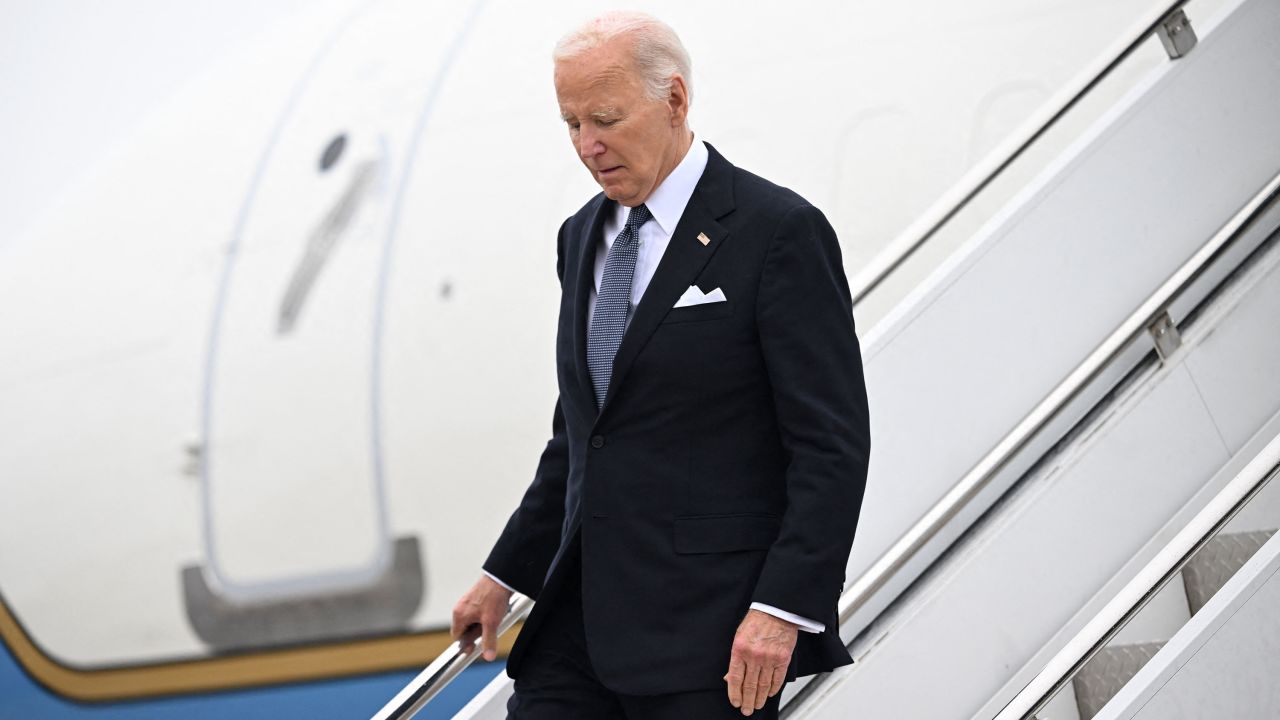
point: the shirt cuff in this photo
(495, 579)
(805, 623)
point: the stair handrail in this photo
(994, 163)
(1135, 595)
(1142, 320)
(447, 665)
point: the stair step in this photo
(1108, 671)
(1203, 575)
(1220, 558)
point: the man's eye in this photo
(606, 123)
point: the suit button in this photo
(597, 441)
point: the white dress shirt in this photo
(666, 203)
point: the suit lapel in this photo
(683, 259)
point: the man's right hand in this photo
(482, 607)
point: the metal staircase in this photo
(1186, 597)
(1115, 664)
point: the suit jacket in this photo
(728, 461)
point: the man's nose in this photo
(588, 144)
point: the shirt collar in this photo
(667, 202)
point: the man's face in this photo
(629, 142)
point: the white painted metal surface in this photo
(1033, 293)
(1224, 662)
(1257, 471)
(1029, 577)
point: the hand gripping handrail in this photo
(1264, 467)
(973, 182)
(452, 661)
(446, 667)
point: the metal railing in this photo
(1162, 20)
(1143, 587)
(453, 660)
(446, 667)
(1151, 316)
(1147, 317)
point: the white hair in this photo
(656, 49)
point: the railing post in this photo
(1176, 34)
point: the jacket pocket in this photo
(706, 311)
(725, 533)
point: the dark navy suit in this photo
(728, 461)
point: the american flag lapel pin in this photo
(702, 238)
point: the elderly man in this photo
(686, 532)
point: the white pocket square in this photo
(694, 296)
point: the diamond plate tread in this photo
(1220, 558)
(1108, 671)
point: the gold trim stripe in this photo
(320, 661)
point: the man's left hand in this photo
(758, 664)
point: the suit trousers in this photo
(557, 681)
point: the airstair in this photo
(1140, 507)
(1195, 633)
(1075, 417)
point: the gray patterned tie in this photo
(613, 302)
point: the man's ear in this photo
(678, 102)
